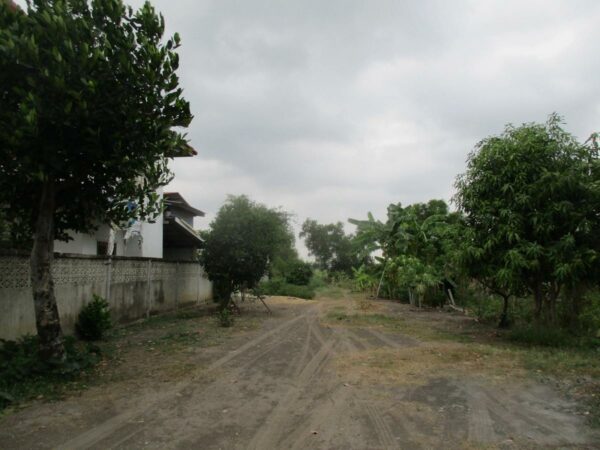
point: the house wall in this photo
(184, 215)
(132, 286)
(83, 244)
(152, 245)
(180, 254)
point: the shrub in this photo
(542, 335)
(225, 317)
(278, 286)
(589, 317)
(23, 374)
(94, 320)
(300, 273)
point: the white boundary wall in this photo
(134, 288)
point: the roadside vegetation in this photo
(161, 347)
(81, 126)
(449, 342)
(518, 260)
(522, 250)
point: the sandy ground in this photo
(298, 382)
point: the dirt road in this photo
(291, 385)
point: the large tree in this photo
(331, 247)
(531, 199)
(90, 112)
(242, 243)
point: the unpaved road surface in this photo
(281, 387)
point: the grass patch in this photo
(332, 291)
(280, 287)
(159, 348)
(545, 336)
(24, 376)
(416, 365)
(393, 323)
(458, 344)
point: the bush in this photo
(589, 318)
(300, 273)
(542, 336)
(278, 286)
(23, 374)
(225, 317)
(94, 320)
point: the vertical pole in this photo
(198, 285)
(381, 280)
(148, 288)
(177, 285)
(108, 278)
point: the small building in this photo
(135, 239)
(180, 241)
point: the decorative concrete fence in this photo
(134, 288)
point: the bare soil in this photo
(302, 379)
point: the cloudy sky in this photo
(334, 108)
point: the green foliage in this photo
(589, 315)
(333, 250)
(242, 241)
(363, 280)
(541, 335)
(90, 105)
(93, 320)
(530, 201)
(91, 112)
(225, 317)
(300, 273)
(418, 245)
(24, 375)
(279, 286)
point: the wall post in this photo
(177, 285)
(108, 277)
(148, 288)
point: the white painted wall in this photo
(82, 244)
(151, 245)
(86, 244)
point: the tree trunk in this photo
(538, 296)
(504, 322)
(47, 320)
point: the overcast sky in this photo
(334, 108)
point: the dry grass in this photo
(416, 365)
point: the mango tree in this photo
(531, 199)
(91, 108)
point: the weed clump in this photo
(94, 320)
(280, 287)
(225, 317)
(24, 375)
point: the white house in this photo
(144, 238)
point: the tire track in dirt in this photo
(480, 424)
(164, 416)
(305, 348)
(339, 397)
(536, 422)
(269, 434)
(95, 435)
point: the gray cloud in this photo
(331, 109)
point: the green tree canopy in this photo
(91, 112)
(423, 234)
(333, 250)
(243, 241)
(531, 199)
